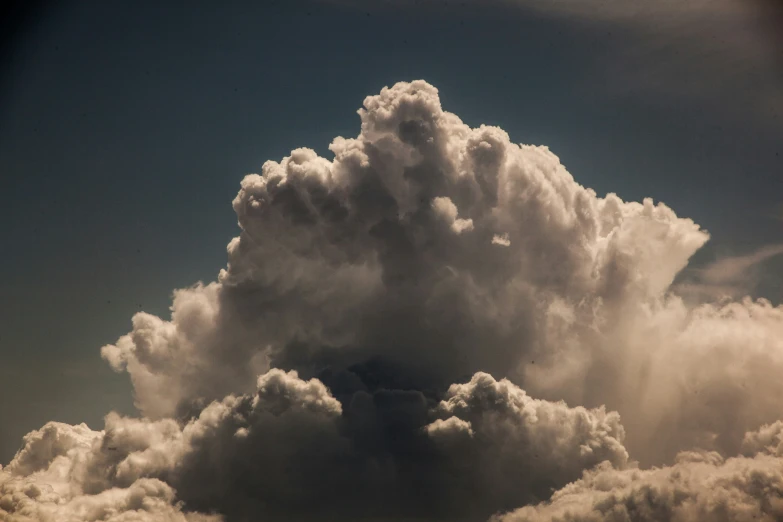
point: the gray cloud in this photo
(298, 463)
(507, 443)
(699, 486)
(373, 348)
(290, 452)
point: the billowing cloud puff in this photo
(444, 250)
(387, 252)
(289, 452)
(368, 352)
(147, 500)
(54, 478)
(768, 439)
(506, 442)
(699, 486)
(66, 473)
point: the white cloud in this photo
(699, 486)
(768, 439)
(315, 377)
(59, 476)
(447, 210)
(501, 240)
(344, 260)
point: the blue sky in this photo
(125, 130)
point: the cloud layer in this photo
(437, 324)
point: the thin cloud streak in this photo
(728, 277)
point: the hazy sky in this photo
(126, 127)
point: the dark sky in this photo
(125, 128)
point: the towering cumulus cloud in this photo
(437, 324)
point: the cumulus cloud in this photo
(300, 461)
(385, 253)
(698, 486)
(289, 451)
(58, 477)
(447, 210)
(436, 324)
(507, 443)
(768, 439)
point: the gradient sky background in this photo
(126, 127)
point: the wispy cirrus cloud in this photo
(730, 276)
(735, 269)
